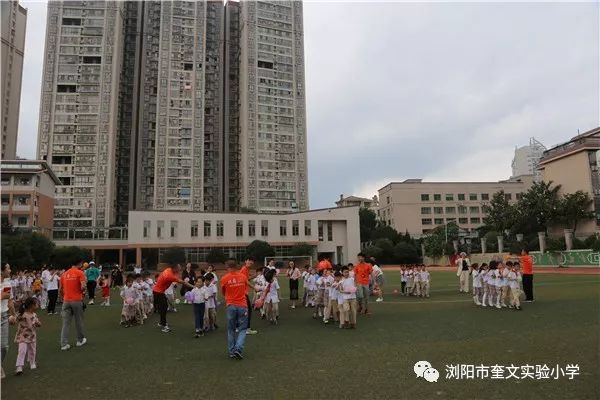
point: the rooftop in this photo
(28, 167)
(589, 140)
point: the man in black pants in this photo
(527, 266)
(246, 271)
(165, 279)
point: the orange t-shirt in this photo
(71, 281)
(527, 263)
(323, 265)
(233, 286)
(164, 280)
(362, 272)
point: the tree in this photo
(386, 232)
(434, 246)
(573, 208)
(174, 255)
(374, 251)
(259, 250)
(387, 250)
(216, 255)
(500, 213)
(66, 256)
(16, 252)
(368, 223)
(302, 249)
(537, 208)
(406, 253)
(41, 248)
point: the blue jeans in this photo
(198, 316)
(237, 319)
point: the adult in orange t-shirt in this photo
(72, 287)
(233, 286)
(362, 273)
(526, 262)
(165, 279)
(248, 265)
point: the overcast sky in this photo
(440, 91)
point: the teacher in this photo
(233, 286)
(527, 263)
(165, 279)
(294, 274)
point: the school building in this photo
(334, 232)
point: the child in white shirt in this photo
(402, 279)
(416, 282)
(476, 283)
(425, 279)
(210, 315)
(272, 301)
(513, 281)
(129, 294)
(349, 308)
(170, 295)
(319, 296)
(331, 307)
(199, 296)
(410, 281)
(311, 288)
(304, 276)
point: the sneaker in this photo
(238, 355)
(83, 341)
(231, 357)
(292, 307)
(19, 371)
(325, 321)
(65, 347)
(483, 305)
(498, 306)
(91, 302)
(33, 366)
(379, 300)
(166, 329)
(159, 326)
(251, 332)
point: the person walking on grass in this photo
(92, 273)
(234, 288)
(169, 276)
(526, 262)
(52, 286)
(246, 271)
(293, 272)
(72, 287)
(362, 274)
(463, 268)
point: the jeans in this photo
(249, 305)
(362, 294)
(52, 297)
(237, 323)
(160, 299)
(70, 310)
(528, 286)
(91, 288)
(198, 316)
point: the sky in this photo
(439, 91)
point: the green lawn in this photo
(302, 358)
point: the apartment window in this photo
(485, 196)
(426, 221)
(448, 220)
(439, 221)
(508, 196)
(207, 228)
(473, 196)
(295, 228)
(518, 196)
(264, 227)
(22, 221)
(194, 229)
(437, 197)
(450, 210)
(463, 220)
(329, 231)
(252, 228)
(387, 199)
(239, 228)
(462, 209)
(220, 229)
(474, 210)
(461, 197)
(425, 210)
(424, 197)
(476, 220)
(147, 226)
(282, 228)
(307, 227)
(173, 229)
(449, 197)
(320, 228)
(159, 228)
(438, 210)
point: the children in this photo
(304, 276)
(349, 307)
(514, 277)
(311, 288)
(199, 296)
(260, 284)
(331, 307)
(425, 278)
(403, 275)
(320, 295)
(26, 338)
(170, 295)
(476, 283)
(505, 288)
(416, 282)
(410, 281)
(210, 282)
(105, 288)
(129, 294)
(272, 296)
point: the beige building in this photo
(14, 21)
(417, 207)
(334, 232)
(355, 201)
(574, 166)
(28, 195)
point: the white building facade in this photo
(527, 158)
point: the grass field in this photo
(302, 358)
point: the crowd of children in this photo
(497, 284)
(415, 280)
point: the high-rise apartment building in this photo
(272, 106)
(79, 111)
(14, 21)
(527, 159)
(206, 110)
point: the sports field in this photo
(302, 358)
